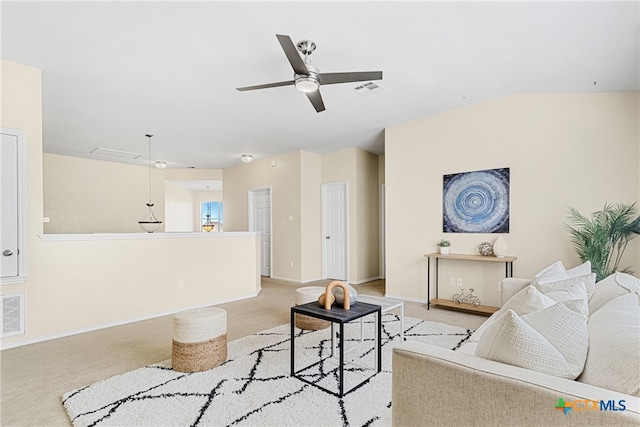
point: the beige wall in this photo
(77, 285)
(110, 198)
(284, 181)
(296, 185)
(367, 217)
(21, 100)
(180, 209)
(360, 170)
(577, 150)
(311, 216)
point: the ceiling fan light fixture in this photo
(307, 84)
(246, 158)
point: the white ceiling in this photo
(115, 71)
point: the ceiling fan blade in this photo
(293, 56)
(265, 86)
(316, 100)
(333, 78)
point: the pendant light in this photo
(150, 223)
(208, 225)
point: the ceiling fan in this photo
(307, 78)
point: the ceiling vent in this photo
(368, 88)
(115, 153)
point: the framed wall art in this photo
(476, 202)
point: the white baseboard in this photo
(360, 282)
(301, 282)
(297, 282)
(112, 324)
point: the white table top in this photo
(385, 303)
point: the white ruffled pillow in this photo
(611, 287)
(566, 290)
(581, 270)
(553, 340)
(556, 276)
(551, 273)
(614, 346)
(527, 300)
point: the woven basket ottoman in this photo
(303, 296)
(199, 339)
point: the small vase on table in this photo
(500, 247)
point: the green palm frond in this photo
(603, 236)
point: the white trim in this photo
(22, 208)
(8, 346)
(312, 280)
(383, 231)
(251, 224)
(285, 279)
(141, 236)
(346, 227)
(370, 279)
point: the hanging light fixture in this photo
(150, 223)
(208, 225)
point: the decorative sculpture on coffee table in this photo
(485, 249)
(327, 298)
(339, 293)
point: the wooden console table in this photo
(481, 309)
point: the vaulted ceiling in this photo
(115, 71)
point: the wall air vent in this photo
(368, 88)
(99, 151)
(12, 315)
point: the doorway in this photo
(12, 216)
(334, 231)
(260, 221)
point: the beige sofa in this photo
(433, 386)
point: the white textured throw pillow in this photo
(611, 287)
(528, 300)
(613, 362)
(589, 281)
(553, 340)
(566, 290)
(551, 273)
(581, 270)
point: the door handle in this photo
(7, 252)
(327, 237)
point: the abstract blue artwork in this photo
(476, 202)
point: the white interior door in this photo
(10, 202)
(334, 231)
(260, 221)
(383, 231)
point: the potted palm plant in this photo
(444, 246)
(603, 236)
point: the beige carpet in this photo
(34, 377)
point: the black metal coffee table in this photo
(341, 316)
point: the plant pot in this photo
(444, 250)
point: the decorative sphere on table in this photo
(485, 248)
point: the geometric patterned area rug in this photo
(254, 387)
